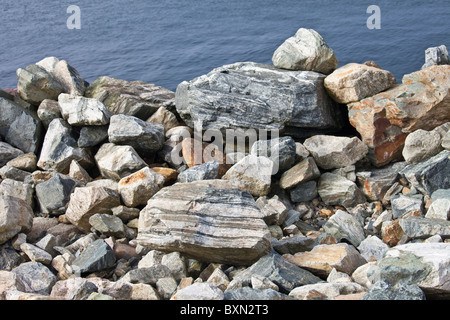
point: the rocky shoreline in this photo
(124, 190)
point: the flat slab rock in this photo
(249, 95)
(209, 220)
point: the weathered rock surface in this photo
(305, 171)
(235, 96)
(116, 162)
(420, 145)
(87, 201)
(281, 151)
(254, 172)
(13, 120)
(145, 137)
(210, 220)
(354, 82)
(306, 50)
(337, 190)
(436, 56)
(422, 228)
(97, 256)
(91, 136)
(35, 84)
(323, 258)
(199, 291)
(36, 277)
(81, 111)
(48, 110)
(332, 152)
(7, 153)
(137, 188)
(60, 148)
(134, 98)
(327, 291)
(343, 225)
(205, 171)
(385, 119)
(16, 216)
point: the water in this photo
(168, 41)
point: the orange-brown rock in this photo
(422, 101)
(170, 175)
(392, 233)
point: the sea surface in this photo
(168, 41)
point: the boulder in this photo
(255, 96)
(35, 84)
(116, 162)
(204, 171)
(327, 291)
(421, 145)
(73, 289)
(91, 136)
(208, 220)
(97, 256)
(282, 151)
(436, 56)
(137, 188)
(304, 192)
(53, 195)
(81, 111)
(422, 228)
(354, 82)
(36, 277)
(108, 225)
(145, 137)
(337, 190)
(407, 205)
(48, 110)
(304, 171)
(26, 162)
(383, 290)
(255, 173)
(343, 225)
(385, 120)
(65, 74)
(426, 176)
(199, 291)
(87, 201)
(19, 190)
(332, 152)
(60, 148)
(247, 293)
(133, 98)
(323, 258)
(15, 216)
(13, 120)
(284, 274)
(306, 50)
(165, 117)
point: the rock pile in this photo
(109, 191)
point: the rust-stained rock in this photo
(422, 101)
(170, 175)
(392, 233)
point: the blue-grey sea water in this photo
(168, 41)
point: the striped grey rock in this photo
(208, 220)
(116, 162)
(13, 120)
(144, 137)
(306, 50)
(81, 111)
(426, 176)
(35, 84)
(134, 98)
(423, 228)
(204, 171)
(255, 96)
(60, 148)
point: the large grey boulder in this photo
(60, 148)
(427, 176)
(332, 152)
(81, 111)
(13, 120)
(35, 84)
(306, 50)
(116, 162)
(134, 98)
(144, 137)
(436, 56)
(208, 220)
(249, 95)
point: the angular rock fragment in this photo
(7, 153)
(36, 277)
(209, 220)
(332, 152)
(421, 145)
(281, 151)
(205, 171)
(97, 256)
(116, 162)
(337, 190)
(60, 148)
(87, 201)
(134, 98)
(436, 56)
(306, 50)
(304, 171)
(90, 136)
(81, 111)
(15, 216)
(137, 188)
(343, 225)
(48, 110)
